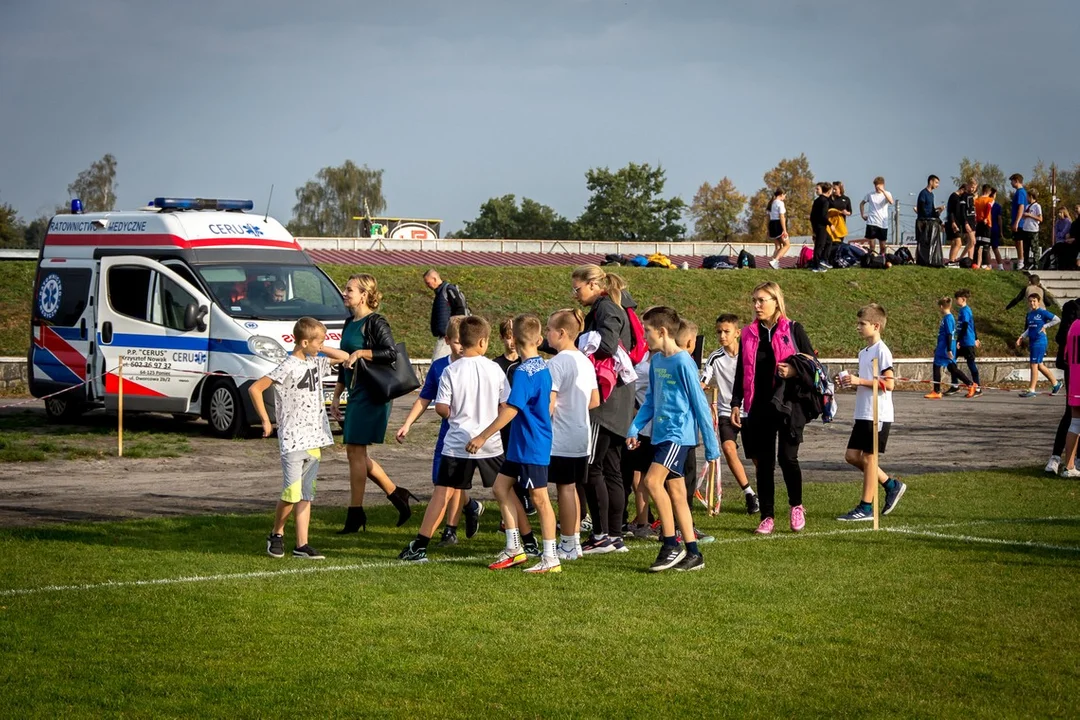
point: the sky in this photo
(461, 101)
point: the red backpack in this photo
(638, 348)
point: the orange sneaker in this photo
(973, 390)
(932, 396)
(508, 559)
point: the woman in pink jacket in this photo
(766, 346)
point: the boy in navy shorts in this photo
(678, 409)
(528, 412)
(471, 391)
(860, 447)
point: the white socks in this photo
(513, 539)
(549, 548)
(748, 490)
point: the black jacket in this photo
(819, 212)
(1069, 312)
(377, 338)
(609, 319)
(440, 311)
(794, 397)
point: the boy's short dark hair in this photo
(1037, 296)
(1016, 177)
(826, 187)
(962, 293)
(728, 318)
(874, 313)
(931, 179)
(506, 328)
(472, 330)
(944, 301)
(527, 329)
(307, 328)
(662, 317)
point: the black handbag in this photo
(387, 381)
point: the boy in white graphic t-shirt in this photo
(860, 447)
(303, 428)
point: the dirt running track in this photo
(220, 476)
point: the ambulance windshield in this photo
(273, 292)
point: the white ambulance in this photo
(198, 297)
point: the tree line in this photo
(625, 204)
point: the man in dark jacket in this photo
(447, 303)
(819, 223)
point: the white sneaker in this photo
(1070, 472)
(546, 565)
(571, 554)
(774, 264)
(1053, 464)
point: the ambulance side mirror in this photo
(194, 317)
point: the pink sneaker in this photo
(798, 518)
(765, 528)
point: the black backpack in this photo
(746, 260)
(873, 261)
(456, 299)
(904, 256)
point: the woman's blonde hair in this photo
(777, 294)
(368, 283)
(612, 284)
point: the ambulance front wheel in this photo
(62, 409)
(225, 410)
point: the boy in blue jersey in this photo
(459, 500)
(1038, 319)
(966, 339)
(677, 407)
(945, 352)
(528, 453)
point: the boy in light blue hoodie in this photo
(677, 407)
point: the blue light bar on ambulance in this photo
(167, 203)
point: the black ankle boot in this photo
(354, 520)
(399, 498)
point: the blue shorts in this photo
(526, 476)
(672, 456)
(1036, 353)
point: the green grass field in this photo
(825, 304)
(964, 606)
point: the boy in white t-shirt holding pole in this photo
(573, 394)
(719, 373)
(303, 428)
(471, 392)
(860, 447)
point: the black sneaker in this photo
(413, 554)
(308, 553)
(669, 557)
(893, 497)
(953, 390)
(449, 537)
(275, 545)
(753, 507)
(473, 511)
(692, 561)
(532, 548)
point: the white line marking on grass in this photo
(983, 540)
(923, 530)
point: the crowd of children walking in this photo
(617, 411)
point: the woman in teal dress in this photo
(365, 421)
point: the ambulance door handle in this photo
(106, 333)
(82, 329)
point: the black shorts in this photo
(982, 232)
(966, 352)
(953, 234)
(457, 473)
(873, 232)
(775, 229)
(862, 436)
(1025, 236)
(568, 470)
(727, 431)
(640, 459)
(526, 476)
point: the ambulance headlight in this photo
(266, 348)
